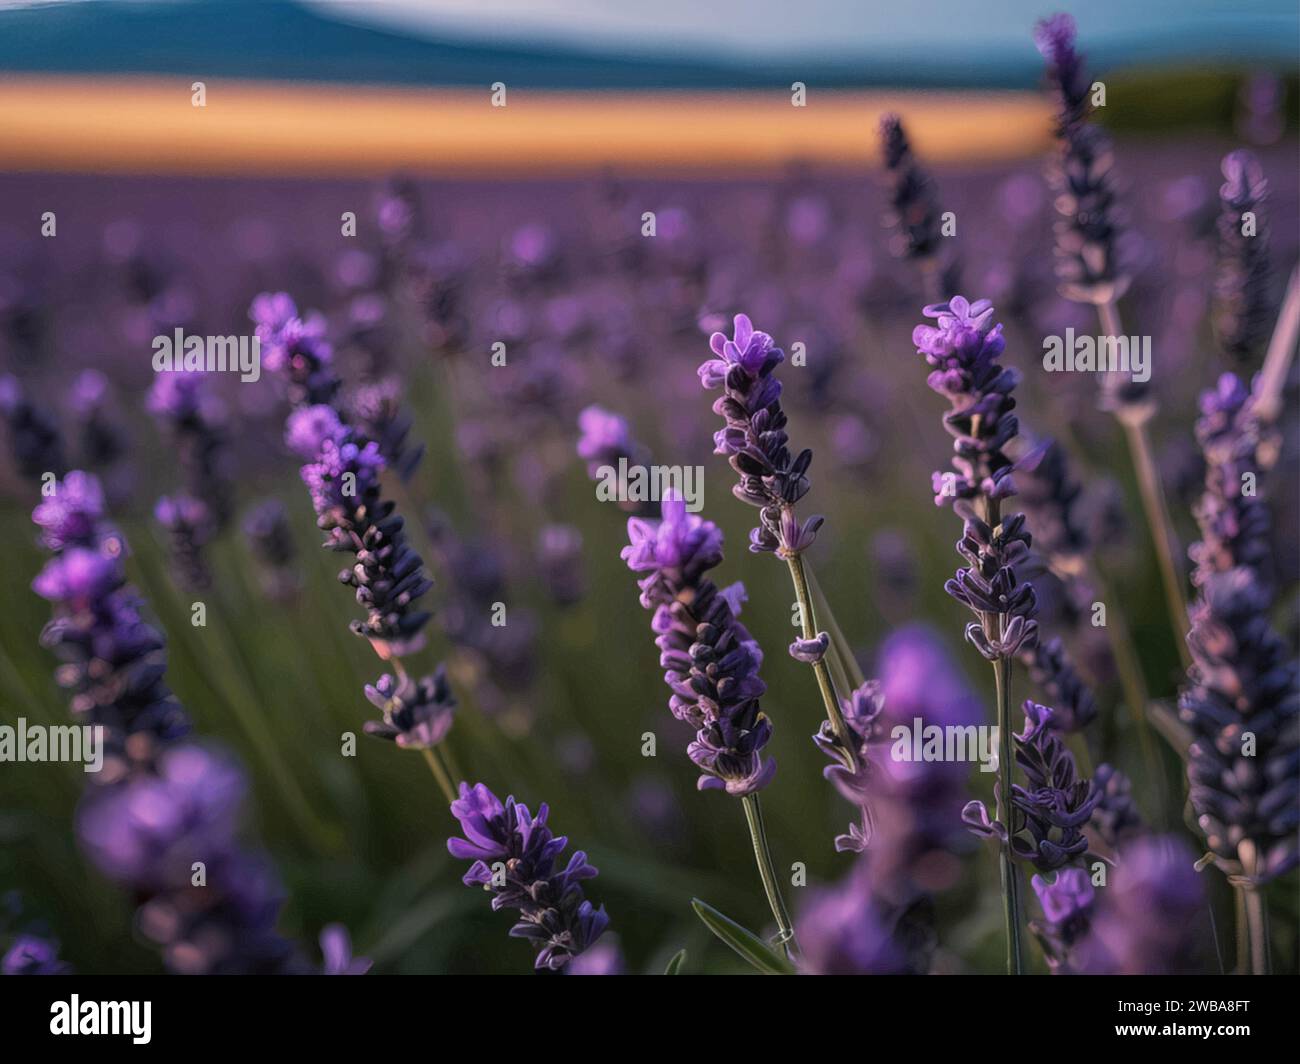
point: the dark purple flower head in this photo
(1116, 819)
(1242, 703)
(862, 711)
(34, 434)
(1088, 226)
(376, 409)
(79, 579)
(1050, 813)
(296, 348)
(710, 660)
(754, 439)
(1054, 37)
(914, 215)
(1243, 304)
(190, 526)
(515, 859)
(417, 713)
(270, 540)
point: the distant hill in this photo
(281, 39)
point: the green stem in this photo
(820, 669)
(439, 774)
(844, 652)
(1261, 960)
(1154, 505)
(1010, 874)
(767, 872)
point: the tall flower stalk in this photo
(963, 348)
(1090, 271)
(342, 471)
(710, 664)
(772, 479)
(1242, 701)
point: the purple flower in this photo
(1116, 819)
(190, 526)
(843, 931)
(862, 711)
(37, 444)
(30, 954)
(1242, 313)
(963, 347)
(515, 860)
(1067, 900)
(417, 713)
(1088, 226)
(377, 411)
(308, 428)
(296, 348)
(72, 514)
(1145, 921)
(78, 579)
(336, 952)
(1050, 813)
(270, 540)
(710, 660)
(754, 439)
(914, 214)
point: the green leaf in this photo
(742, 940)
(675, 965)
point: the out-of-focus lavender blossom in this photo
(190, 527)
(34, 436)
(604, 958)
(1116, 818)
(963, 349)
(103, 442)
(1050, 668)
(270, 541)
(417, 713)
(1233, 521)
(1067, 901)
(515, 859)
(26, 948)
(1242, 704)
(1243, 679)
(1242, 313)
(184, 404)
(336, 951)
(754, 440)
(296, 348)
(1048, 816)
(377, 411)
(843, 931)
(608, 447)
(1148, 919)
(560, 562)
(914, 214)
(1081, 175)
(862, 711)
(158, 804)
(710, 660)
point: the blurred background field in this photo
(529, 232)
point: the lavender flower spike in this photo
(1242, 298)
(1088, 226)
(913, 211)
(754, 439)
(710, 660)
(515, 860)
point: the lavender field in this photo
(719, 576)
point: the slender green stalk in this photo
(1010, 874)
(1154, 504)
(822, 671)
(843, 651)
(767, 871)
(1257, 924)
(439, 774)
